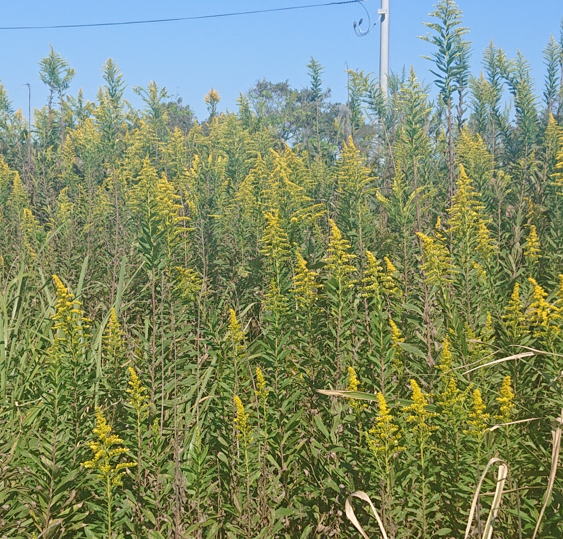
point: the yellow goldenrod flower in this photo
(466, 209)
(241, 421)
(338, 258)
(353, 382)
(188, 283)
(383, 438)
(305, 285)
(137, 392)
(446, 357)
(113, 345)
(506, 401)
(478, 417)
(373, 274)
(212, 96)
(418, 411)
(275, 302)
(354, 385)
(261, 387)
(437, 264)
(235, 333)
(69, 323)
(543, 316)
(513, 317)
(452, 401)
(485, 245)
(396, 334)
(532, 247)
(275, 243)
(107, 449)
(389, 278)
(104, 452)
(352, 175)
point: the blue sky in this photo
(231, 54)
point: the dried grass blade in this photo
(499, 491)
(555, 450)
(360, 395)
(360, 494)
(501, 360)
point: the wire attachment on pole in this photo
(362, 29)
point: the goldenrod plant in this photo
(190, 283)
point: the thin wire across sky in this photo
(180, 19)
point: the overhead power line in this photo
(179, 19)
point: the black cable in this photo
(177, 19)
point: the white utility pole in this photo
(383, 13)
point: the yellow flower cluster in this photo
(188, 283)
(446, 357)
(338, 259)
(241, 421)
(137, 393)
(351, 173)
(275, 243)
(532, 247)
(452, 401)
(543, 316)
(478, 417)
(235, 333)
(107, 450)
(383, 439)
(262, 390)
(113, 345)
(514, 318)
(437, 264)
(274, 301)
(354, 385)
(389, 278)
(379, 279)
(506, 401)
(418, 411)
(212, 97)
(305, 285)
(70, 324)
(396, 334)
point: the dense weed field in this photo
(174, 294)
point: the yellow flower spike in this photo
(543, 316)
(452, 401)
(212, 97)
(479, 419)
(235, 332)
(418, 411)
(532, 247)
(305, 285)
(437, 265)
(371, 282)
(506, 401)
(103, 450)
(383, 439)
(353, 384)
(113, 344)
(446, 357)
(241, 421)
(338, 258)
(513, 316)
(275, 242)
(388, 278)
(138, 397)
(396, 334)
(262, 390)
(69, 323)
